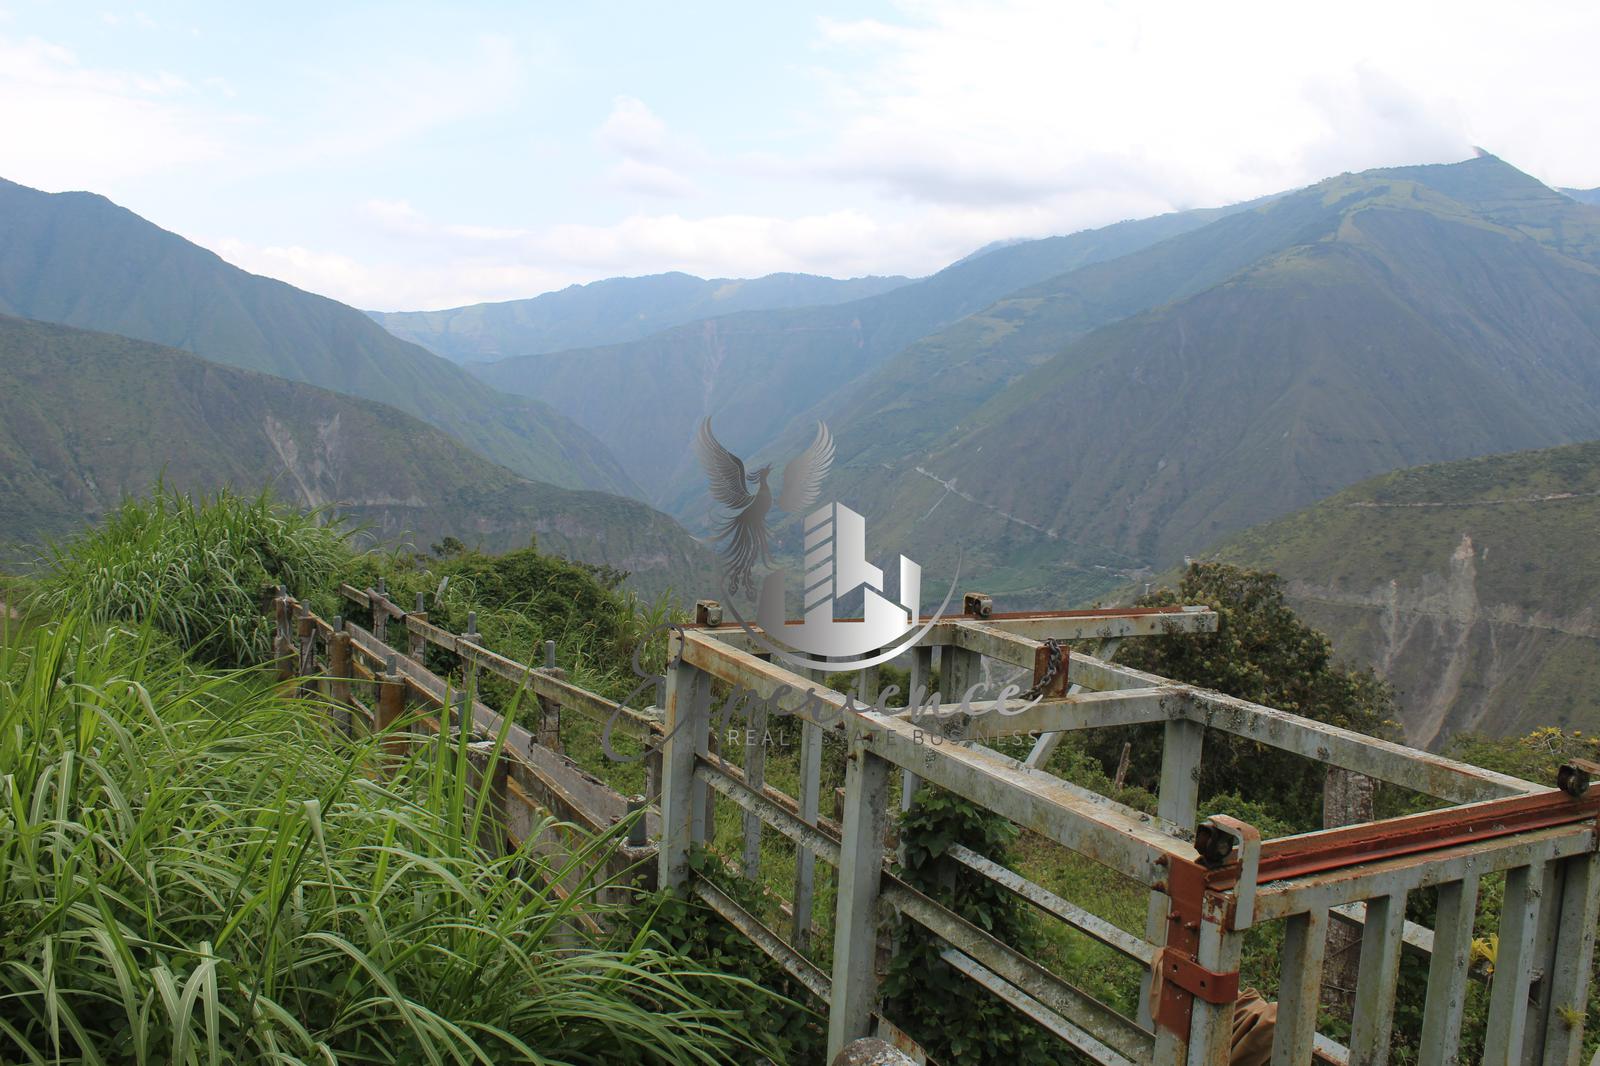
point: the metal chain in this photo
(1052, 666)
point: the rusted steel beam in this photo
(1287, 858)
(787, 690)
(795, 964)
(1070, 1002)
(1279, 899)
(1016, 638)
(1083, 710)
(1089, 924)
(1031, 799)
(1420, 771)
(542, 683)
(1068, 1033)
(818, 841)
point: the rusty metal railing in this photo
(1210, 881)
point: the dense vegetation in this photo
(191, 871)
(194, 568)
(194, 870)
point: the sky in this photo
(402, 157)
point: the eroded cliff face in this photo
(1460, 661)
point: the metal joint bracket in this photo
(1173, 966)
(1244, 840)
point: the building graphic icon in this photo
(835, 566)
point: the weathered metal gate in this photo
(1209, 880)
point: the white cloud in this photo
(651, 157)
(633, 130)
(927, 133)
(960, 105)
(66, 125)
(651, 179)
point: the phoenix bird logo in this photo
(745, 531)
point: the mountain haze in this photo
(612, 311)
(80, 260)
(1472, 586)
(86, 418)
(758, 370)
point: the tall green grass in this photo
(191, 872)
(194, 566)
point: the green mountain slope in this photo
(758, 370)
(86, 418)
(1393, 325)
(612, 311)
(1587, 196)
(1471, 585)
(80, 260)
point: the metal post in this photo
(688, 721)
(469, 665)
(1377, 979)
(755, 775)
(855, 941)
(341, 670)
(637, 830)
(1211, 1025)
(921, 683)
(1177, 801)
(379, 599)
(306, 640)
(1447, 971)
(1508, 995)
(549, 732)
(281, 641)
(805, 861)
(416, 644)
(1305, 938)
(1566, 983)
(391, 709)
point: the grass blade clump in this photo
(190, 871)
(195, 567)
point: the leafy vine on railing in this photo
(925, 995)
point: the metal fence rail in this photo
(1210, 881)
(371, 686)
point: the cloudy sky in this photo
(398, 156)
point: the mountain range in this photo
(755, 371)
(1048, 417)
(80, 260)
(86, 418)
(613, 311)
(1401, 317)
(1472, 586)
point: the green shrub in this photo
(194, 567)
(190, 871)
